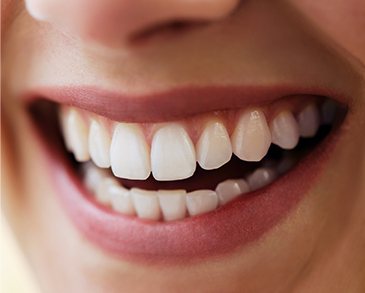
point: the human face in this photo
(197, 80)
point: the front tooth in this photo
(129, 152)
(230, 189)
(252, 138)
(92, 176)
(201, 201)
(172, 154)
(121, 199)
(102, 190)
(308, 120)
(261, 177)
(146, 203)
(76, 134)
(99, 144)
(285, 130)
(173, 204)
(214, 146)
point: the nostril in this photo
(164, 30)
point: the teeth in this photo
(102, 191)
(214, 146)
(121, 199)
(252, 138)
(172, 154)
(99, 144)
(285, 130)
(92, 176)
(261, 177)
(308, 120)
(76, 134)
(146, 203)
(129, 152)
(201, 201)
(230, 189)
(173, 204)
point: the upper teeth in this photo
(174, 149)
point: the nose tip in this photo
(114, 22)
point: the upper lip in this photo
(172, 104)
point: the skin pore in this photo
(318, 248)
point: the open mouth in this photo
(170, 176)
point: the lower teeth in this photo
(176, 204)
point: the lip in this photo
(222, 231)
(172, 104)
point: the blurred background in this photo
(15, 275)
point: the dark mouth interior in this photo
(45, 115)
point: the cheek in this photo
(342, 21)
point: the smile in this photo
(202, 184)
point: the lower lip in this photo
(220, 232)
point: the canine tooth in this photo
(252, 138)
(214, 146)
(173, 204)
(129, 152)
(76, 133)
(230, 189)
(201, 201)
(172, 154)
(328, 109)
(261, 177)
(99, 144)
(92, 176)
(120, 199)
(102, 190)
(285, 130)
(309, 120)
(146, 203)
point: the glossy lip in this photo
(216, 233)
(173, 104)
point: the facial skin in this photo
(318, 248)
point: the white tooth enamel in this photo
(120, 199)
(308, 120)
(201, 201)
(261, 177)
(230, 189)
(328, 109)
(40, 10)
(173, 204)
(213, 148)
(76, 133)
(129, 152)
(285, 130)
(92, 176)
(63, 114)
(172, 154)
(102, 190)
(252, 138)
(146, 203)
(99, 144)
